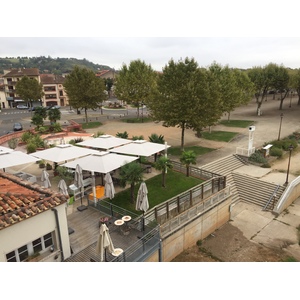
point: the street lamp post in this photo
(288, 169)
(281, 116)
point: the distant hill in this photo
(48, 65)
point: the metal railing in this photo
(182, 219)
(171, 208)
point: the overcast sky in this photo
(240, 34)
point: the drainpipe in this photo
(58, 229)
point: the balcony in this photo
(138, 242)
(9, 98)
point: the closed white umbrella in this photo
(78, 182)
(142, 202)
(109, 186)
(45, 179)
(62, 187)
(104, 242)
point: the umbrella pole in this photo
(81, 207)
(143, 220)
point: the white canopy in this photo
(5, 149)
(15, 158)
(104, 142)
(140, 148)
(62, 153)
(102, 162)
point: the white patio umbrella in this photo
(142, 202)
(104, 242)
(104, 142)
(62, 187)
(10, 158)
(45, 179)
(63, 153)
(109, 186)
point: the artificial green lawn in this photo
(176, 183)
(176, 151)
(221, 136)
(91, 125)
(236, 123)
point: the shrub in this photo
(258, 158)
(37, 141)
(123, 135)
(13, 143)
(43, 129)
(26, 136)
(274, 151)
(56, 127)
(31, 147)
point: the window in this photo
(48, 240)
(49, 89)
(11, 256)
(37, 245)
(23, 252)
(50, 96)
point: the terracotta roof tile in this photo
(52, 79)
(28, 201)
(22, 72)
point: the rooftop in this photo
(20, 200)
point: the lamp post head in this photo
(291, 148)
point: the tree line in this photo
(57, 66)
(183, 95)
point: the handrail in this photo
(284, 197)
(271, 197)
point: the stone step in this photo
(224, 165)
(254, 190)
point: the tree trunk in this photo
(187, 171)
(86, 117)
(163, 178)
(182, 137)
(132, 192)
(228, 119)
(258, 110)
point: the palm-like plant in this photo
(188, 158)
(155, 138)
(163, 164)
(131, 173)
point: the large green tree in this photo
(29, 90)
(295, 82)
(84, 89)
(234, 86)
(54, 114)
(185, 97)
(135, 83)
(269, 77)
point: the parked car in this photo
(17, 127)
(53, 106)
(31, 108)
(21, 106)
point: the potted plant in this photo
(41, 164)
(48, 166)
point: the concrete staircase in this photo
(225, 166)
(244, 187)
(257, 191)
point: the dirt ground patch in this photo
(228, 244)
